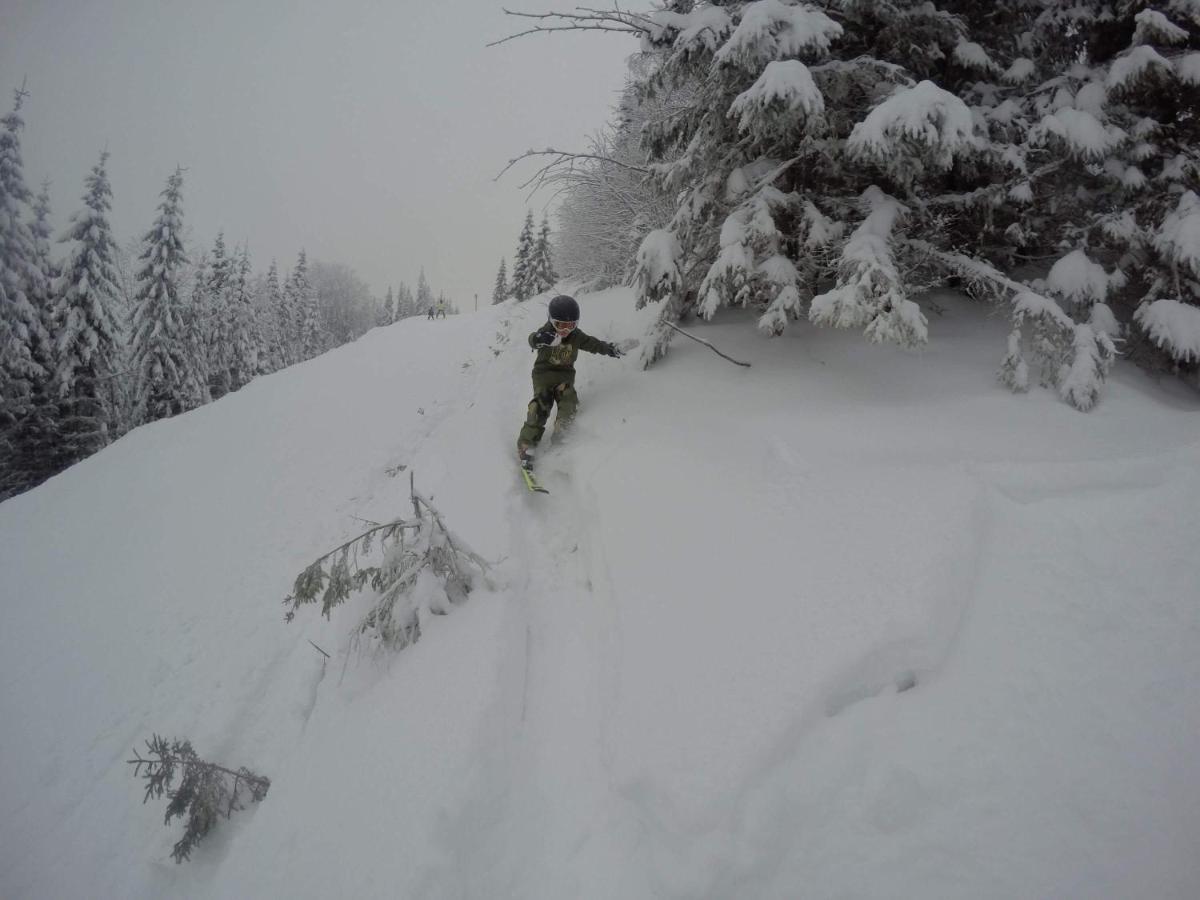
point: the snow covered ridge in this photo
(990, 125)
(853, 623)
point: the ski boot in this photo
(525, 457)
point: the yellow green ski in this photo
(531, 481)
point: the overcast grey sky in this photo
(368, 132)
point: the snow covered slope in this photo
(849, 623)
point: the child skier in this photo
(557, 343)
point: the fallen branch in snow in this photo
(426, 568)
(706, 344)
(203, 790)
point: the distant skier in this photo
(430, 316)
(557, 343)
(441, 308)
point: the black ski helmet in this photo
(564, 309)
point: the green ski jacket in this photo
(561, 359)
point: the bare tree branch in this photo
(562, 158)
(585, 20)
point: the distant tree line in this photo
(105, 338)
(403, 303)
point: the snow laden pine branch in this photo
(1073, 357)
(198, 790)
(424, 568)
(870, 293)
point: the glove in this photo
(544, 339)
(615, 351)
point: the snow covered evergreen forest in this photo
(106, 336)
(903, 606)
(832, 161)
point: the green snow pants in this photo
(549, 388)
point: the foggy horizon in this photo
(366, 135)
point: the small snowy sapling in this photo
(426, 569)
(200, 790)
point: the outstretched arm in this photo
(595, 345)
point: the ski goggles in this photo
(560, 325)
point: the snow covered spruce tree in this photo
(522, 274)
(217, 316)
(86, 331)
(1100, 101)
(838, 158)
(24, 342)
(761, 164)
(1088, 154)
(245, 340)
(424, 300)
(291, 321)
(41, 286)
(311, 338)
(500, 289)
(120, 395)
(541, 270)
(195, 332)
(36, 435)
(387, 315)
(406, 304)
(166, 371)
(776, 170)
(276, 319)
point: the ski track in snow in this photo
(561, 665)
